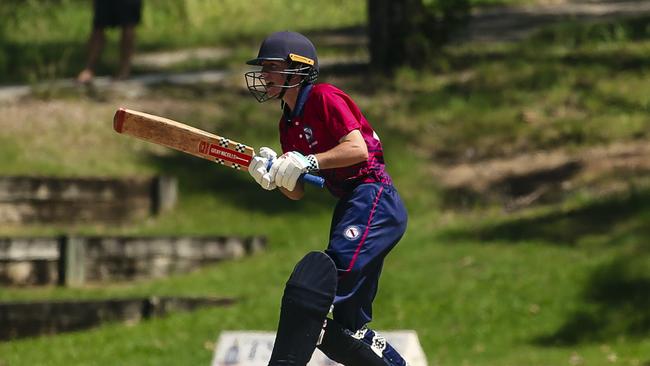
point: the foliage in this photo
(441, 19)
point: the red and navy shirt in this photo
(322, 116)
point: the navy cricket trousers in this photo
(367, 224)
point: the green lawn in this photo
(560, 284)
(493, 301)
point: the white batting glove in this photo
(257, 168)
(268, 153)
(289, 167)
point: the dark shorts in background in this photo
(113, 13)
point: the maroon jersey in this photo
(322, 116)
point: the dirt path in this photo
(523, 180)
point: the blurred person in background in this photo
(125, 14)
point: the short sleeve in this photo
(337, 115)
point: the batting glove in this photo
(289, 167)
(257, 168)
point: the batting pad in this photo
(308, 296)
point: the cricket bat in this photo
(190, 140)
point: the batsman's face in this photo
(273, 76)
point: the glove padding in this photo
(257, 168)
(286, 170)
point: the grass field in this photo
(565, 283)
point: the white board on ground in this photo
(253, 348)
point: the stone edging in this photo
(75, 260)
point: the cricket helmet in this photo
(295, 49)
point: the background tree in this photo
(410, 32)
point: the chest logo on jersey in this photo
(309, 136)
(352, 232)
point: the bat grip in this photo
(307, 178)
(313, 180)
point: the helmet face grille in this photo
(257, 86)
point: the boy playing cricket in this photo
(322, 131)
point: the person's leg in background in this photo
(127, 45)
(95, 47)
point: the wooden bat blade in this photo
(190, 140)
(179, 136)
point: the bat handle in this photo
(313, 180)
(307, 178)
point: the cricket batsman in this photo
(322, 131)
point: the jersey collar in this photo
(300, 103)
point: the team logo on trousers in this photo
(352, 232)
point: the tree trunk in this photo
(407, 32)
(391, 23)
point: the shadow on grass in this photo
(532, 65)
(40, 61)
(572, 34)
(616, 304)
(615, 300)
(530, 72)
(237, 188)
(21, 62)
(626, 28)
(611, 220)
